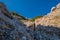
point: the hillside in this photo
(17, 27)
(51, 19)
(11, 28)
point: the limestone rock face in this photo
(58, 6)
(15, 27)
(51, 19)
(28, 23)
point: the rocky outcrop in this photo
(47, 33)
(15, 27)
(29, 23)
(51, 19)
(48, 26)
(20, 32)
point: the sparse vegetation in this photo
(18, 15)
(33, 19)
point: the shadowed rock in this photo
(19, 28)
(45, 28)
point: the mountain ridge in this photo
(17, 27)
(51, 19)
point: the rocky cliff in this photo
(51, 19)
(48, 26)
(17, 27)
(11, 28)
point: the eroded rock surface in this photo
(51, 19)
(47, 33)
(11, 28)
(14, 27)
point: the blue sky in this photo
(30, 8)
